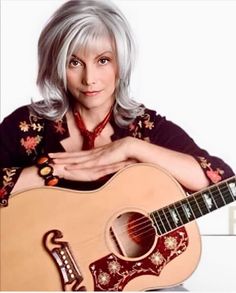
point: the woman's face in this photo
(91, 75)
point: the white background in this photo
(186, 68)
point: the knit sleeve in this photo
(157, 130)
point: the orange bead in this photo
(53, 181)
(43, 160)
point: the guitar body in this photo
(97, 231)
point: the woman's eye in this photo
(104, 61)
(74, 63)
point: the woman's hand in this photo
(96, 163)
(93, 164)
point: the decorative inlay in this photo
(232, 187)
(208, 201)
(111, 273)
(174, 216)
(170, 242)
(156, 258)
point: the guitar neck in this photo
(194, 206)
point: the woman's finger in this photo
(74, 157)
(91, 174)
(62, 155)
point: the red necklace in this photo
(90, 136)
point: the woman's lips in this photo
(91, 93)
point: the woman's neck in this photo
(93, 116)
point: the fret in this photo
(209, 201)
(221, 194)
(163, 227)
(181, 212)
(226, 192)
(169, 217)
(201, 214)
(201, 203)
(159, 222)
(232, 188)
(188, 209)
(194, 206)
(217, 196)
(155, 223)
(207, 204)
(213, 199)
(174, 215)
(164, 220)
(178, 210)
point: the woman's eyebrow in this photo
(74, 56)
(99, 55)
(103, 53)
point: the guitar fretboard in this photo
(194, 206)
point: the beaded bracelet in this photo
(46, 171)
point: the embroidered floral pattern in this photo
(30, 132)
(33, 124)
(7, 178)
(30, 143)
(214, 175)
(147, 123)
(144, 123)
(37, 126)
(24, 126)
(8, 182)
(58, 125)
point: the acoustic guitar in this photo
(136, 232)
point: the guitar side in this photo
(85, 220)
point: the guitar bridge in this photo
(70, 274)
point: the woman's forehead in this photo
(95, 47)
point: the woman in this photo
(87, 127)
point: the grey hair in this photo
(74, 25)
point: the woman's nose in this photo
(89, 76)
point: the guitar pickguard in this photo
(112, 273)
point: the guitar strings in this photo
(195, 199)
(145, 222)
(199, 203)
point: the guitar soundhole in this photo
(132, 234)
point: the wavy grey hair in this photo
(73, 26)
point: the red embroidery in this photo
(35, 124)
(213, 175)
(137, 127)
(131, 127)
(30, 143)
(3, 192)
(58, 127)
